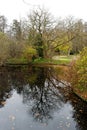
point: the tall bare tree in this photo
(3, 23)
(16, 29)
(41, 24)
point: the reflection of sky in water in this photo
(15, 115)
(34, 101)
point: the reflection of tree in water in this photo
(5, 88)
(41, 92)
(37, 86)
(43, 96)
(19, 77)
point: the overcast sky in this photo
(16, 9)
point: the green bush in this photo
(81, 67)
(29, 53)
(4, 45)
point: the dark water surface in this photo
(33, 98)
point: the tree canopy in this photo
(43, 33)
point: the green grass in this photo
(64, 57)
(54, 60)
(17, 61)
(42, 60)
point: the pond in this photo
(37, 98)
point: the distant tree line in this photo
(40, 35)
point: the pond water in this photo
(34, 98)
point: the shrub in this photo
(29, 53)
(78, 71)
(81, 67)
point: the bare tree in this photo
(47, 34)
(2, 23)
(41, 26)
(16, 28)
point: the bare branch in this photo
(64, 42)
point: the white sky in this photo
(15, 9)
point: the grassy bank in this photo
(57, 60)
(15, 62)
